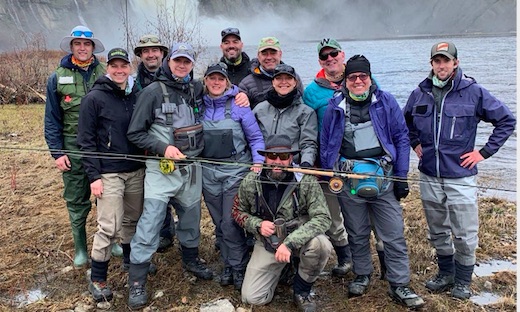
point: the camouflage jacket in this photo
(311, 204)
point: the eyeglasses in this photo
(230, 31)
(353, 78)
(149, 39)
(81, 33)
(282, 156)
(332, 53)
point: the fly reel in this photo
(336, 185)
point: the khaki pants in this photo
(263, 271)
(118, 211)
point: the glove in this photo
(305, 165)
(401, 190)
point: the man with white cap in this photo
(65, 88)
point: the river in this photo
(399, 65)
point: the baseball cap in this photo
(118, 53)
(269, 43)
(445, 48)
(284, 69)
(328, 42)
(220, 68)
(182, 49)
(230, 31)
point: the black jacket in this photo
(238, 72)
(105, 114)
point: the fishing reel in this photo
(166, 166)
(336, 185)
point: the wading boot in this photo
(238, 279)
(344, 261)
(137, 273)
(152, 269)
(97, 286)
(301, 296)
(226, 278)
(80, 246)
(444, 280)
(405, 296)
(359, 285)
(463, 275)
(192, 263)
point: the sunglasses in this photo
(230, 31)
(332, 53)
(282, 156)
(353, 78)
(81, 33)
(149, 39)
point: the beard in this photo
(277, 176)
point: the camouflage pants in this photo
(263, 271)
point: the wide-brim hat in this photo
(81, 32)
(278, 143)
(150, 41)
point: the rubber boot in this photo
(382, 264)
(79, 235)
(137, 274)
(117, 251)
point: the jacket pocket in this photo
(458, 123)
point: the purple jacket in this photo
(389, 126)
(454, 134)
(215, 108)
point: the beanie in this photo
(357, 64)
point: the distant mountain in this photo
(289, 19)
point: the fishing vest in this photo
(71, 88)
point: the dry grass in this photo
(37, 246)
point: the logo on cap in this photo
(443, 46)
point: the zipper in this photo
(453, 120)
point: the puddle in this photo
(29, 297)
(493, 266)
(485, 298)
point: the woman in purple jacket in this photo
(231, 133)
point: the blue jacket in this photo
(454, 134)
(317, 95)
(389, 126)
(215, 109)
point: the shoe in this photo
(341, 269)
(238, 279)
(406, 297)
(137, 297)
(199, 269)
(304, 302)
(117, 251)
(100, 291)
(461, 291)
(164, 244)
(152, 269)
(359, 285)
(440, 283)
(226, 278)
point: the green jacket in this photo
(311, 205)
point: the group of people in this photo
(254, 142)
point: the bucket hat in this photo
(148, 41)
(278, 143)
(81, 32)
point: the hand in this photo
(418, 151)
(173, 153)
(471, 159)
(96, 188)
(283, 254)
(266, 228)
(63, 163)
(256, 168)
(401, 189)
(242, 100)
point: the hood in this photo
(105, 84)
(460, 81)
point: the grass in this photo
(37, 247)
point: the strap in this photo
(165, 93)
(227, 114)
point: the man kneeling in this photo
(288, 213)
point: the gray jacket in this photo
(298, 121)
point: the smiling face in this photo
(231, 47)
(180, 66)
(119, 70)
(443, 67)
(333, 65)
(82, 49)
(216, 84)
(269, 58)
(358, 83)
(276, 166)
(283, 84)
(151, 58)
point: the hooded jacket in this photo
(105, 114)
(453, 133)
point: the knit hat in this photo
(269, 43)
(118, 53)
(447, 49)
(182, 49)
(148, 41)
(328, 42)
(81, 32)
(357, 64)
